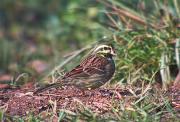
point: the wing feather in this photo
(93, 65)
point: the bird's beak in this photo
(113, 53)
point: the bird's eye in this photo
(105, 48)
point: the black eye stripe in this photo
(105, 48)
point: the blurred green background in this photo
(45, 30)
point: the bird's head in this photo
(104, 50)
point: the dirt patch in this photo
(22, 102)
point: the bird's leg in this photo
(88, 92)
(83, 92)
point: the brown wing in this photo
(92, 65)
(92, 69)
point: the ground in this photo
(21, 101)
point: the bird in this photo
(93, 71)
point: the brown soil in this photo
(22, 102)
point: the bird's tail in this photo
(49, 86)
